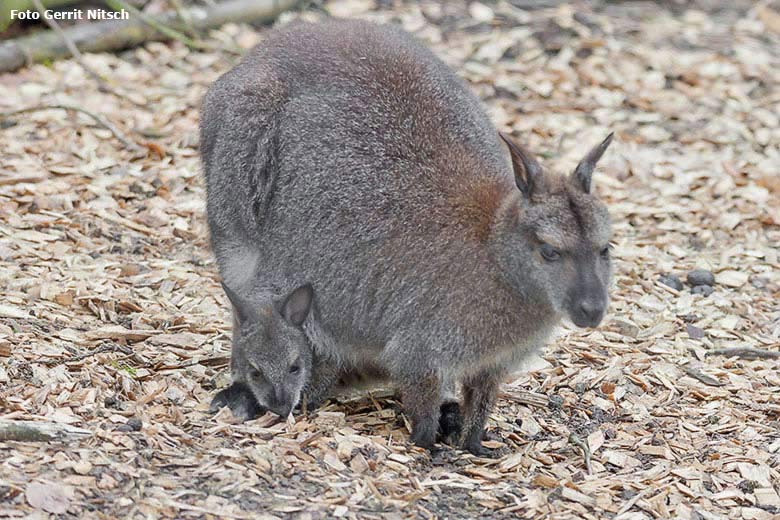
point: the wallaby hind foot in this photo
(421, 399)
(479, 396)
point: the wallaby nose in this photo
(282, 410)
(589, 313)
(282, 405)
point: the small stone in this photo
(671, 281)
(704, 290)
(693, 331)
(82, 467)
(701, 277)
(133, 424)
(748, 486)
(627, 494)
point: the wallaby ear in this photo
(297, 305)
(244, 310)
(583, 173)
(528, 173)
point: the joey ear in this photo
(297, 305)
(244, 310)
(528, 172)
(583, 173)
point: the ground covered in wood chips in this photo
(112, 319)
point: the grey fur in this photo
(271, 355)
(271, 335)
(348, 155)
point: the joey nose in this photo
(282, 404)
(282, 410)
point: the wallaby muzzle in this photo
(281, 402)
(588, 312)
(588, 301)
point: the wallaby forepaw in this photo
(240, 400)
(219, 402)
(476, 448)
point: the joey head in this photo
(271, 359)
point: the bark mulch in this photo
(113, 326)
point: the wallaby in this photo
(277, 359)
(347, 154)
(271, 358)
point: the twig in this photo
(128, 352)
(118, 5)
(35, 431)
(97, 118)
(103, 84)
(100, 350)
(745, 353)
(583, 445)
(184, 17)
(527, 398)
(209, 361)
(701, 376)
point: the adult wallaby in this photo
(347, 154)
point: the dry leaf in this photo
(48, 497)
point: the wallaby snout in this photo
(588, 301)
(589, 312)
(282, 402)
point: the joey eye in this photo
(295, 368)
(549, 253)
(605, 252)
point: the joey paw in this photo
(219, 402)
(311, 406)
(240, 400)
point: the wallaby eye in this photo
(605, 251)
(549, 253)
(295, 369)
(254, 373)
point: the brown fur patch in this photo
(476, 205)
